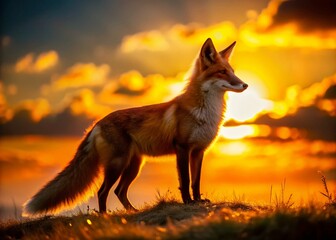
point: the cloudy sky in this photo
(74, 61)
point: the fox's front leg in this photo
(182, 157)
(195, 169)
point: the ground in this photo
(170, 219)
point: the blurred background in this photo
(65, 64)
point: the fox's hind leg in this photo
(127, 177)
(114, 154)
(111, 174)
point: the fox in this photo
(114, 147)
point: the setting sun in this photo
(249, 104)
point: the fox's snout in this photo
(245, 85)
(234, 85)
(240, 84)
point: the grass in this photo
(168, 218)
(280, 201)
(174, 220)
(331, 198)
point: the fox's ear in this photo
(208, 53)
(226, 53)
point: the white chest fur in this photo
(209, 117)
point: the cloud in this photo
(11, 164)
(330, 93)
(82, 74)
(145, 48)
(311, 121)
(309, 16)
(297, 23)
(38, 108)
(5, 112)
(319, 94)
(311, 111)
(62, 123)
(30, 64)
(5, 41)
(133, 89)
(177, 36)
(83, 102)
(133, 82)
(128, 89)
(151, 41)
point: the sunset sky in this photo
(72, 61)
(67, 63)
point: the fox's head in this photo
(213, 71)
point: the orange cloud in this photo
(146, 48)
(178, 36)
(152, 41)
(133, 89)
(84, 102)
(133, 81)
(265, 29)
(5, 112)
(272, 27)
(44, 61)
(38, 108)
(82, 74)
(196, 35)
(296, 97)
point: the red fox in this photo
(184, 126)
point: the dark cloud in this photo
(64, 123)
(310, 15)
(10, 164)
(129, 92)
(316, 123)
(330, 93)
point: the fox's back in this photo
(151, 129)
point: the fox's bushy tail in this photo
(71, 185)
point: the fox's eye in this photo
(223, 71)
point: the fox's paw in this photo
(132, 209)
(203, 201)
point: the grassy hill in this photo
(170, 219)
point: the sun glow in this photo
(246, 106)
(233, 148)
(237, 132)
(243, 131)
